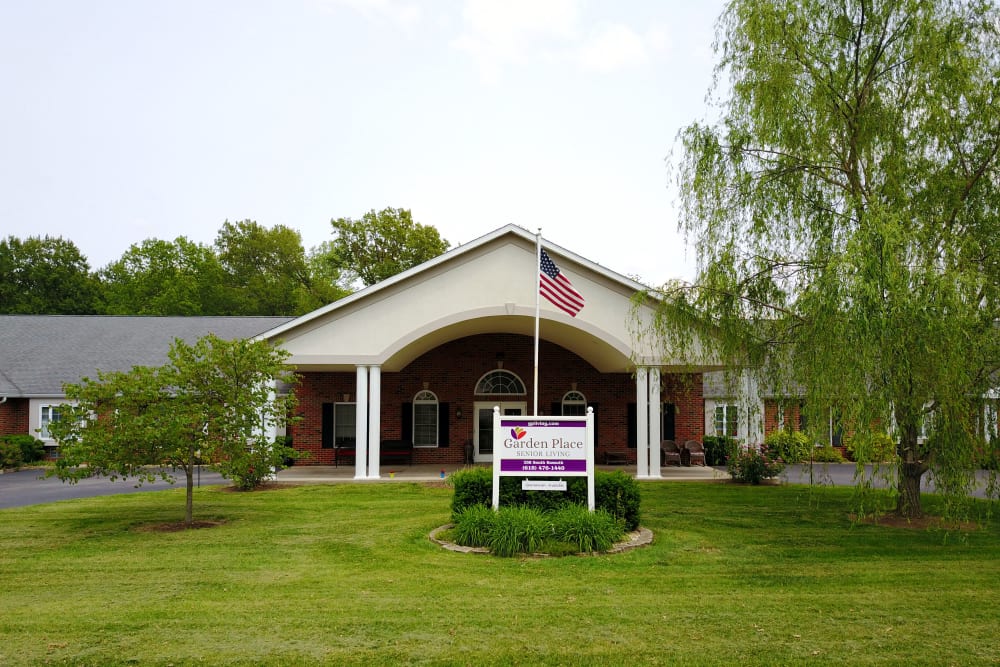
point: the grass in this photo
(345, 574)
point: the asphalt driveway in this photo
(30, 487)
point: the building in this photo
(420, 358)
(41, 353)
(424, 356)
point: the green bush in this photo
(988, 458)
(615, 492)
(473, 486)
(32, 449)
(789, 446)
(752, 466)
(871, 448)
(718, 448)
(10, 455)
(473, 525)
(251, 469)
(827, 454)
(586, 531)
(519, 530)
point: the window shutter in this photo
(632, 415)
(556, 409)
(326, 431)
(443, 435)
(406, 434)
(669, 421)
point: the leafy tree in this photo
(45, 276)
(156, 277)
(384, 243)
(209, 402)
(268, 273)
(845, 210)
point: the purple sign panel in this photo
(555, 466)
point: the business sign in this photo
(543, 447)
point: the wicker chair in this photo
(670, 453)
(697, 451)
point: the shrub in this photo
(618, 494)
(252, 469)
(10, 455)
(718, 448)
(586, 531)
(473, 525)
(615, 492)
(827, 454)
(987, 458)
(752, 466)
(871, 448)
(473, 486)
(32, 449)
(519, 530)
(789, 446)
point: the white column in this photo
(654, 422)
(642, 422)
(374, 421)
(361, 424)
(268, 425)
(753, 412)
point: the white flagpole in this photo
(538, 306)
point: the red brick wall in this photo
(14, 417)
(452, 370)
(685, 391)
(771, 416)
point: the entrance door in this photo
(482, 437)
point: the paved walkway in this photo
(426, 473)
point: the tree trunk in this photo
(911, 468)
(908, 504)
(189, 510)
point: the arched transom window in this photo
(425, 419)
(500, 382)
(574, 404)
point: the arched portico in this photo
(440, 326)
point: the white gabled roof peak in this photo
(453, 253)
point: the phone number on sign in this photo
(556, 467)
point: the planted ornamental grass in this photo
(346, 574)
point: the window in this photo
(574, 404)
(781, 416)
(425, 419)
(836, 429)
(345, 423)
(726, 420)
(50, 414)
(500, 382)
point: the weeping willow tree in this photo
(844, 207)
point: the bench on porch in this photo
(389, 451)
(615, 458)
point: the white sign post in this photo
(525, 446)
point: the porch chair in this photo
(670, 453)
(697, 451)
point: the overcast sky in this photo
(131, 119)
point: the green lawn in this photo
(345, 574)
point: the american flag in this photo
(557, 288)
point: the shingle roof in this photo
(39, 353)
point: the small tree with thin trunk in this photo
(214, 401)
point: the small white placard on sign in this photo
(543, 485)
